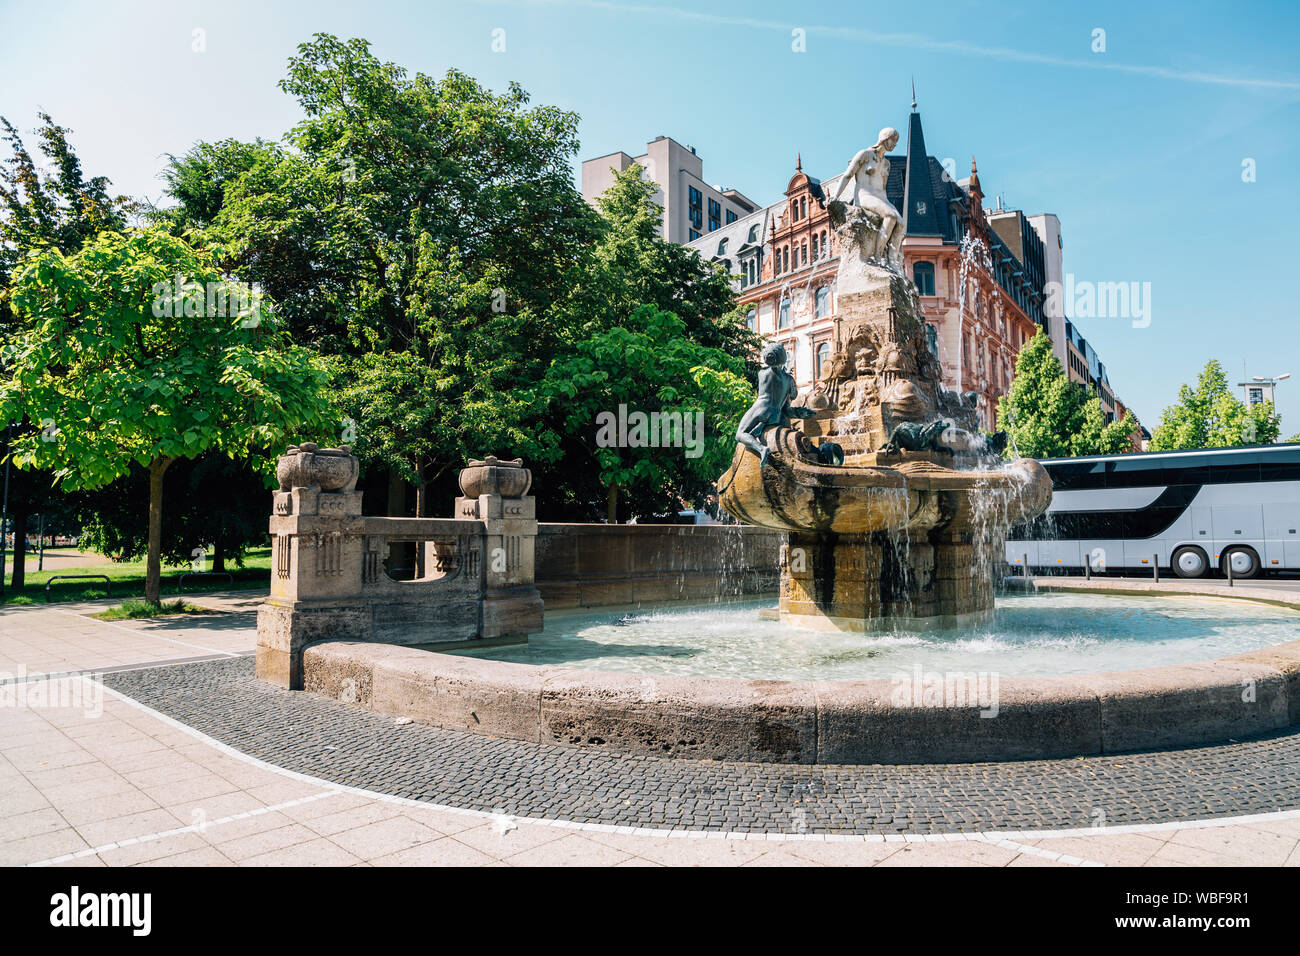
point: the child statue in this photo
(776, 389)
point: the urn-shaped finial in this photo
(307, 465)
(492, 476)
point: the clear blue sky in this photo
(1138, 149)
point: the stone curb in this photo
(827, 722)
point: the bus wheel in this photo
(1243, 561)
(1189, 562)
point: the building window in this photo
(784, 321)
(785, 259)
(731, 217)
(803, 208)
(715, 214)
(821, 366)
(751, 320)
(803, 253)
(694, 235)
(923, 276)
(823, 302)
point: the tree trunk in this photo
(421, 509)
(396, 509)
(153, 569)
(19, 529)
(218, 556)
(612, 516)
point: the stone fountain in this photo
(896, 506)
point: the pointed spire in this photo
(976, 223)
(920, 209)
(913, 94)
(798, 162)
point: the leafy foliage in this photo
(1208, 415)
(648, 365)
(112, 376)
(45, 203)
(1048, 416)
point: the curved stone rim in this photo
(819, 722)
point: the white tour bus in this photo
(1193, 512)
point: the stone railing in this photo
(630, 565)
(330, 579)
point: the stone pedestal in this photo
(512, 605)
(862, 582)
(317, 553)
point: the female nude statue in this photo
(865, 180)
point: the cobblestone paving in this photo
(328, 740)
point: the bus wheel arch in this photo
(1189, 561)
(1248, 567)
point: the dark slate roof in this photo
(916, 177)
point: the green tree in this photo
(419, 229)
(630, 265)
(198, 181)
(1208, 415)
(45, 203)
(1048, 416)
(115, 367)
(56, 207)
(330, 222)
(648, 365)
(457, 386)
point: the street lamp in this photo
(1261, 388)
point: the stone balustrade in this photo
(472, 580)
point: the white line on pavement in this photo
(192, 828)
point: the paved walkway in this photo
(103, 780)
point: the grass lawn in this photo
(128, 579)
(139, 609)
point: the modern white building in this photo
(692, 208)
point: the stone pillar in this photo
(495, 492)
(907, 576)
(831, 580)
(317, 545)
(960, 590)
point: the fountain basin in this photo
(818, 721)
(910, 493)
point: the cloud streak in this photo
(917, 41)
